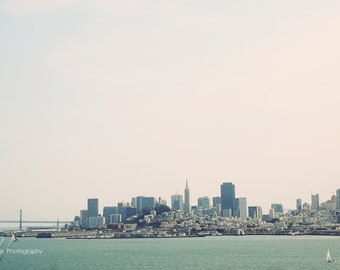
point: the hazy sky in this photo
(115, 99)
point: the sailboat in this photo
(14, 238)
(329, 258)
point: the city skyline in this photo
(227, 205)
(238, 205)
(95, 207)
(116, 99)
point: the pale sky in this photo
(116, 99)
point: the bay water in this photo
(219, 252)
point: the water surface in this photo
(223, 252)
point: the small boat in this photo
(14, 237)
(329, 258)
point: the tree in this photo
(160, 209)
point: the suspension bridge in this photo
(20, 221)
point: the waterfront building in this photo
(204, 203)
(241, 209)
(177, 202)
(228, 199)
(278, 207)
(299, 205)
(255, 212)
(84, 218)
(338, 199)
(186, 206)
(216, 201)
(92, 207)
(315, 202)
(145, 202)
(108, 211)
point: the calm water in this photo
(225, 252)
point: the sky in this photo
(117, 99)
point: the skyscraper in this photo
(241, 209)
(216, 201)
(338, 199)
(177, 202)
(255, 212)
(145, 202)
(278, 207)
(126, 210)
(186, 207)
(92, 208)
(84, 218)
(299, 205)
(228, 199)
(108, 211)
(315, 202)
(204, 202)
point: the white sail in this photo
(328, 258)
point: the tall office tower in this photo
(96, 221)
(126, 210)
(299, 205)
(186, 206)
(134, 202)
(218, 209)
(241, 209)
(108, 211)
(84, 218)
(228, 199)
(92, 208)
(278, 207)
(145, 202)
(306, 207)
(338, 199)
(216, 201)
(177, 202)
(204, 202)
(315, 202)
(255, 212)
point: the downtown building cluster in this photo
(226, 206)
